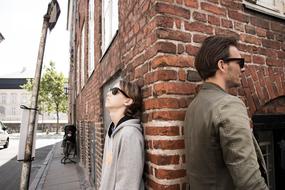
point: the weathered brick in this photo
(139, 72)
(155, 185)
(199, 27)
(257, 21)
(222, 32)
(213, 9)
(250, 29)
(169, 174)
(173, 88)
(235, 15)
(168, 115)
(250, 39)
(281, 54)
(162, 131)
(239, 26)
(160, 75)
(172, 10)
(258, 59)
(166, 47)
(199, 16)
(260, 32)
(236, 5)
(173, 35)
(181, 49)
(274, 62)
(199, 38)
(162, 159)
(159, 103)
(278, 27)
(227, 23)
(191, 3)
(182, 75)
(172, 60)
(164, 21)
(192, 50)
(214, 20)
(168, 144)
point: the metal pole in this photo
(26, 166)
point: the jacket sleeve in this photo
(130, 161)
(237, 146)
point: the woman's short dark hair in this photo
(213, 49)
(134, 92)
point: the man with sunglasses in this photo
(123, 159)
(221, 151)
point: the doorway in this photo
(269, 131)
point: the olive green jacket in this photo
(221, 151)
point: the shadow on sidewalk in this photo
(10, 172)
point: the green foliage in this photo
(51, 94)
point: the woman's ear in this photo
(128, 102)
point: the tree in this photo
(51, 94)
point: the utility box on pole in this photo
(24, 133)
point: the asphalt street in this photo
(10, 168)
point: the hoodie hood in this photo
(129, 123)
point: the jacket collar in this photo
(210, 85)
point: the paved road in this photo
(10, 168)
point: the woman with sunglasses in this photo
(123, 159)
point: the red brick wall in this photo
(155, 47)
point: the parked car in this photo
(4, 136)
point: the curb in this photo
(41, 174)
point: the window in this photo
(267, 147)
(2, 110)
(91, 38)
(82, 56)
(3, 98)
(78, 71)
(13, 98)
(271, 7)
(13, 111)
(110, 22)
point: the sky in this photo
(21, 24)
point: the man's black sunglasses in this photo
(240, 61)
(115, 91)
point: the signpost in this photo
(49, 22)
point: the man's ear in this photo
(128, 102)
(221, 65)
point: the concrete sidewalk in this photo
(57, 176)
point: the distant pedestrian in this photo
(123, 159)
(221, 151)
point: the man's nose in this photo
(242, 70)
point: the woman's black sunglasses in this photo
(115, 91)
(239, 61)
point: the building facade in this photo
(153, 43)
(12, 96)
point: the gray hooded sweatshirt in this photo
(123, 159)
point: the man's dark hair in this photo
(213, 49)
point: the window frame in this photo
(82, 57)
(112, 8)
(277, 10)
(91, 33)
